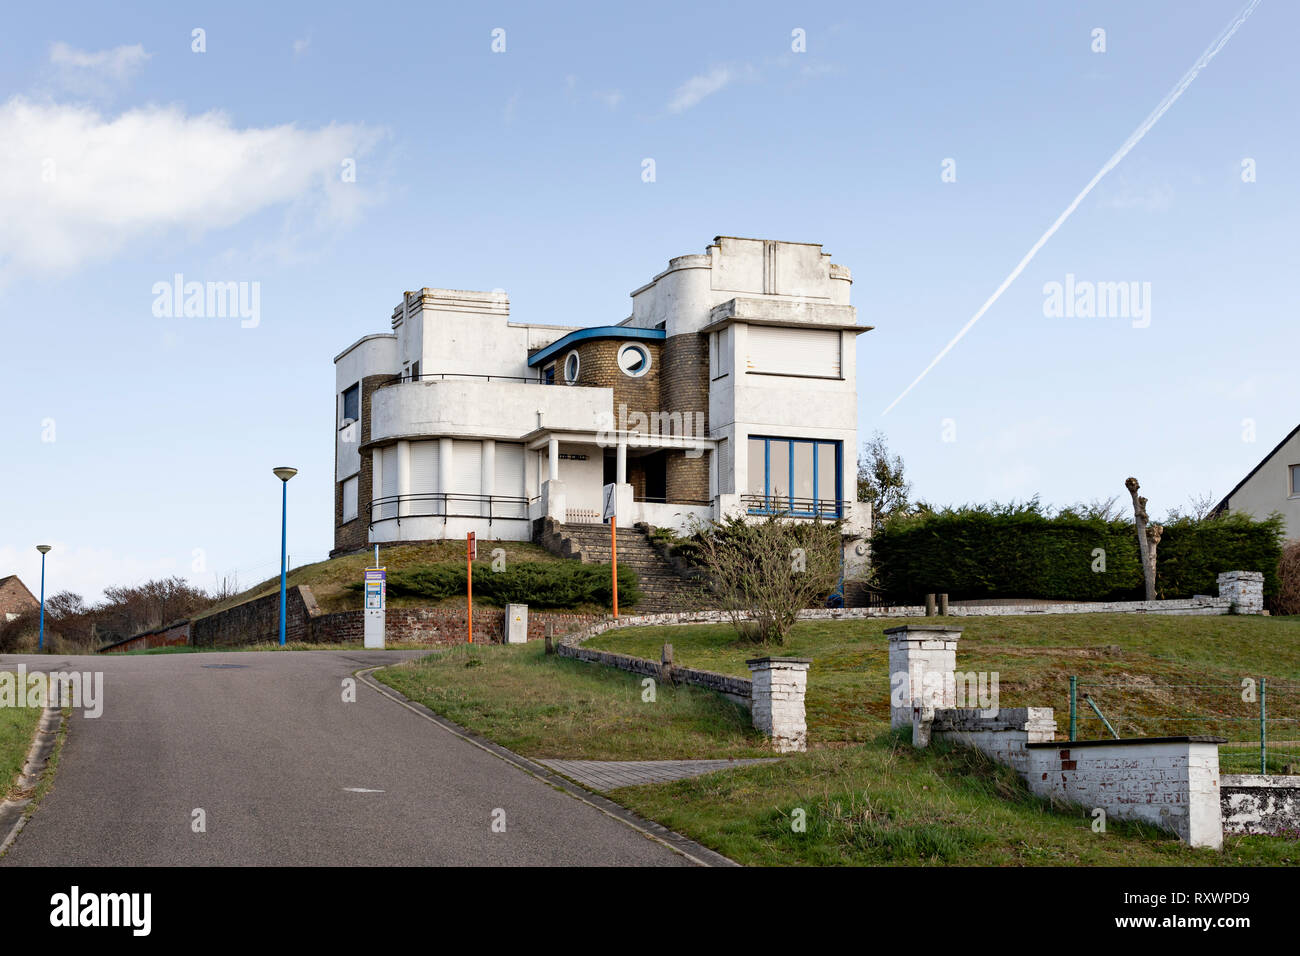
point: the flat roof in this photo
(365, 338)
(595, 332)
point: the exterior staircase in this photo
(663, 589)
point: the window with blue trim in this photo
(799, 476)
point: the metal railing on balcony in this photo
(448, 376)
(491, 507)
(829, 508)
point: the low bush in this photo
(557, 584)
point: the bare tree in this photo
(1148, 537)
(764, 572)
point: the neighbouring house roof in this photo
(4, 583)
(1222, 506)
(595, 332)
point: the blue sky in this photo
(128, 158)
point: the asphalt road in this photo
(284, 771)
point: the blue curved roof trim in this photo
(596, 332)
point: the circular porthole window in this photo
(571, 365)
(634, 360)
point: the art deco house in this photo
(730, 388)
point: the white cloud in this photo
(611, 98)
(99, 72)
(79, 186)
(300, 46)
(700, 86)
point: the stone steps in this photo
(662, 588)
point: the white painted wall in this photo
(480, 409)
(372, 355)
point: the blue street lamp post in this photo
(284, 474)
(44, 549)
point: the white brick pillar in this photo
(777, 700)
(922, 658)
(1245, 589)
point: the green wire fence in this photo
(1257, 715)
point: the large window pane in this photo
(803, 475)
(826, 469)
(757, 467)
(352, 403)
(778, 472)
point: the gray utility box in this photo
(516, 624)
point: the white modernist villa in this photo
(730, 388)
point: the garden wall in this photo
(1253, 803)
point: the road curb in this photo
(695, 852)
(13, 813)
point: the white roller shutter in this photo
(466, 471)
(388, 481)
(784, 351)
(349, 499)
(509, 480)
(726, 468)
(424, 478)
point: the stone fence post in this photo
(1245, 589)
(777, 701)
(922, 658)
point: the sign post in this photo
(471, 548)
(609, 512)
(376, 588)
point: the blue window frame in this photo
(798, 476)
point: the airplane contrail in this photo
(1133, 140)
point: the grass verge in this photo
(17, 728)
(549, 707)
(884, 803)
(1151, 675)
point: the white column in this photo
(620, 458)
(376, 481)
(488, 480)
(444, 470)
(553, 449)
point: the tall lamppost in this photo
(284, 474)
(44, 549)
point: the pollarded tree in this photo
(1148, 537)
(763, 572)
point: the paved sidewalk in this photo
(611, 774)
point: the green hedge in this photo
(1019, 551)
(550, 584)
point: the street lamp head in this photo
(43, 548)
(284, 474)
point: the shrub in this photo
(552, 584)
(764, 572)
